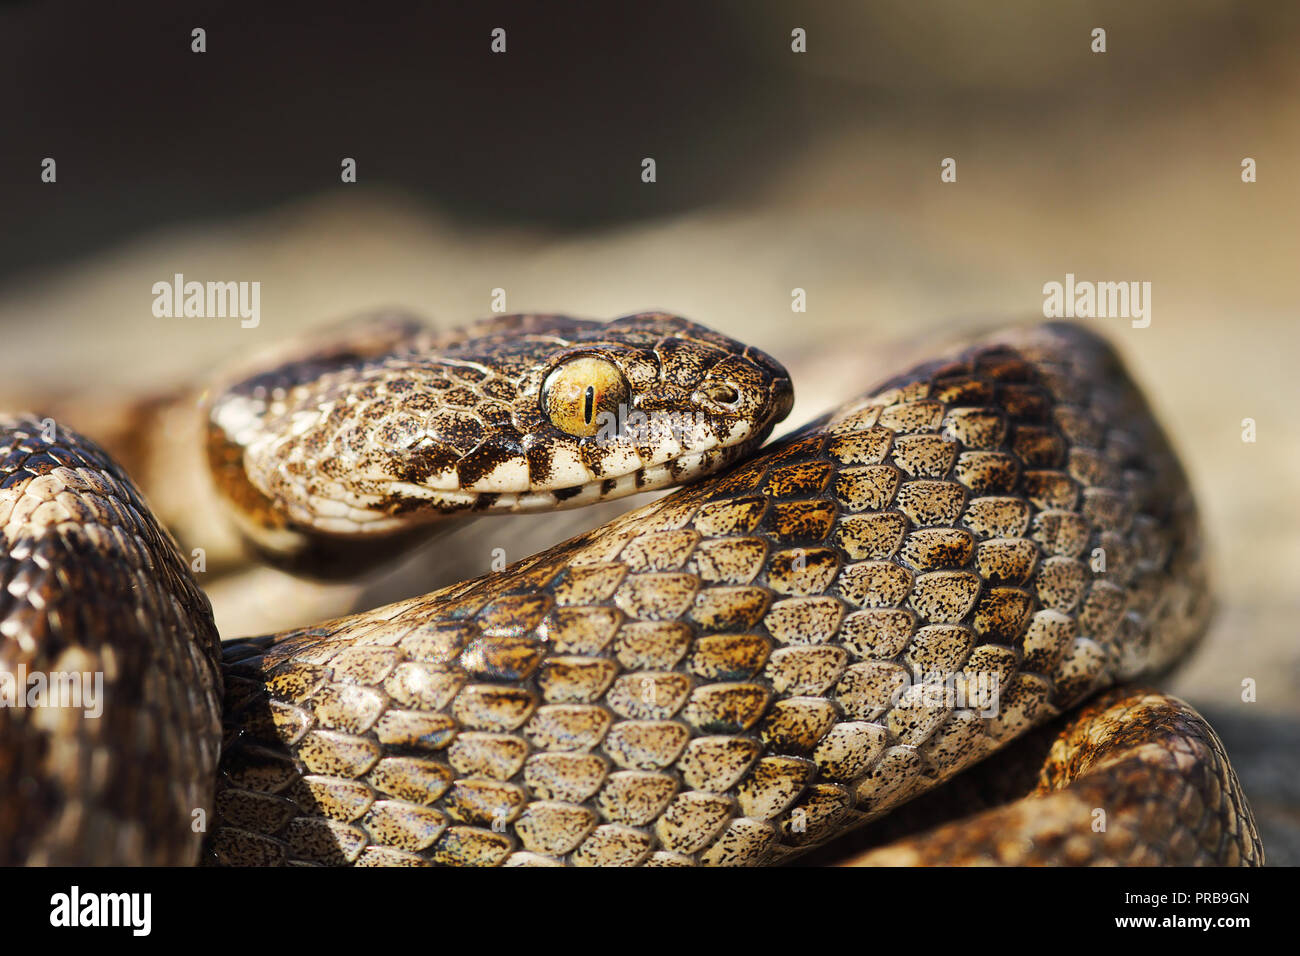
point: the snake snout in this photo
(780, 395)
(745, 393)
(782, 399)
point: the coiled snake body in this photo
(738, 672)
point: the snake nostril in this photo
(724, 393)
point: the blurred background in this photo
(775, 170)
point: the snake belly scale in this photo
(734, 674)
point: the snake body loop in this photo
(735, 674)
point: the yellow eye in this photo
(576, 393)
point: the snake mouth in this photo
(415, 504)
(683, 469)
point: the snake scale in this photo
(951, 580)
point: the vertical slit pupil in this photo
(589, 403)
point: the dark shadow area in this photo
(146, 132)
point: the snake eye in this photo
(576, 393)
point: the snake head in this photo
(394, 426)
(640, 403)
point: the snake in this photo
(924, 628)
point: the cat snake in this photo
(919, 629)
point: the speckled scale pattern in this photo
(91, 588)
(752, 665)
